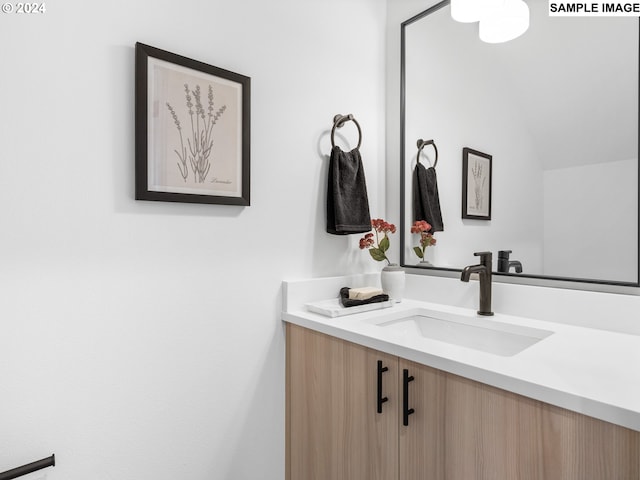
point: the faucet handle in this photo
(486, 258)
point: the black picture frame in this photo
(192, 130)
(476, 184)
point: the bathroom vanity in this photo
(388, 394)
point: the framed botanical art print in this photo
(476, 184)
(192, 130)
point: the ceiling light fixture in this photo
(500, 20)
(506, 23)
(467, 11)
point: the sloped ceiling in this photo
(576, 81)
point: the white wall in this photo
(586, 229)
(142, 340)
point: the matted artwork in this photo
(476, 184)
(192, 130)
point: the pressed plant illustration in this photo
(197, 151)
(479, 179)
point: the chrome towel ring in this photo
(423, 143)
(339, 121)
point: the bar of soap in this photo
(364, 293)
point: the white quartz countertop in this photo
(590, 371)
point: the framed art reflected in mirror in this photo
(476, 184)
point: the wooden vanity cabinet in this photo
(458, 429)
(334, 431)
(465, 430)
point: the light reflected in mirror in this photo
(557, 111)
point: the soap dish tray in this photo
(333, 307)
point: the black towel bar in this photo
(339, 121)
(28, 468)
(423, 143)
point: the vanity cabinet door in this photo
(491, 434)
(334, 429)
(465, 430)
(421, 445)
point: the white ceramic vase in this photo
(392, 279)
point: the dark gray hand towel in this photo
(426, 202)
(347, 201)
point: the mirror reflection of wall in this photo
(557, 109)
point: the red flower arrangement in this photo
(426, 239)
(379, 246)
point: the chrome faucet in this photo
(483, 269)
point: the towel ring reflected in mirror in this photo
(423, 143)
(339, 121)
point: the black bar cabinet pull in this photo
(381, 399)
(28, 468)
(406, 411)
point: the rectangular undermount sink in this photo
(473, 332)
